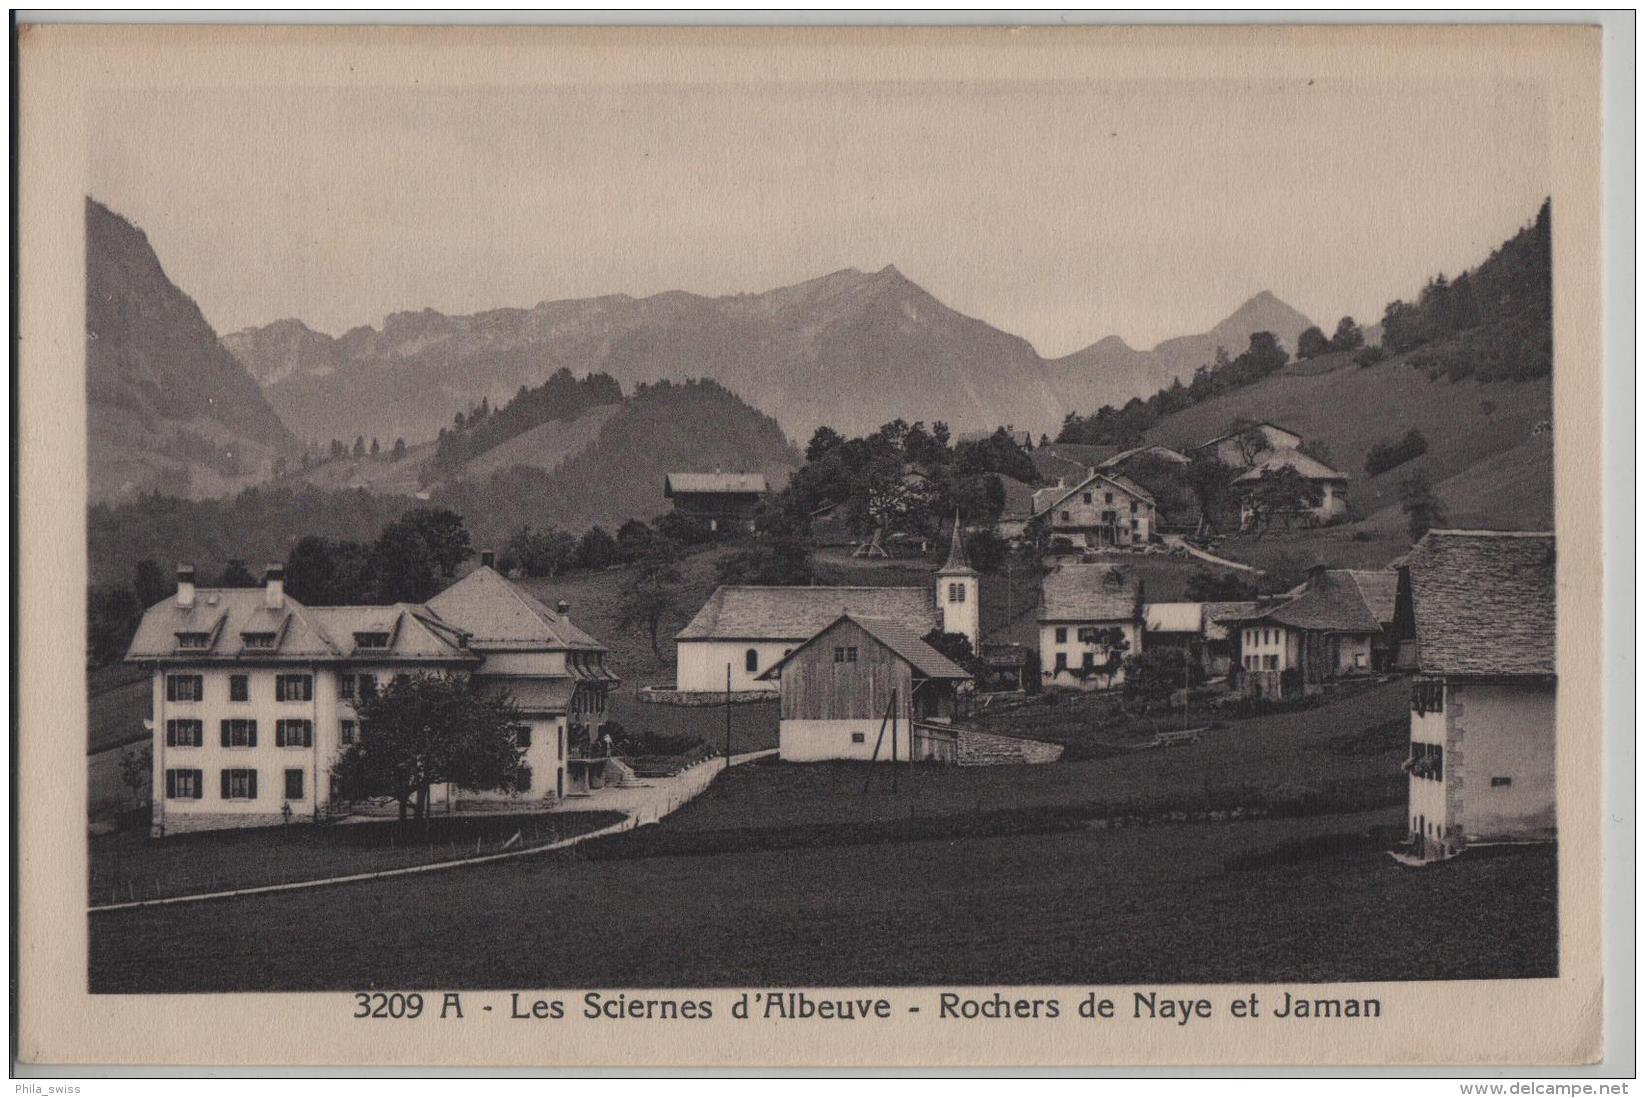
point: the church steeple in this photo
(957, 564)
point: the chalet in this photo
(1330, 485)
(1103, 510)
(1293, 648)
(721, 500)
(1090, 619)
(867, 689)
(1475, 621)
(748, 629)
(1243, 448)
(274, 682)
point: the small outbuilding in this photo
(721, 501)
(868, 689)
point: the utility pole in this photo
(728, 716)
(895, 714)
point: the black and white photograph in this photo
(722, 532)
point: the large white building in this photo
(741, 632)
(1091, 618)
(253, 691)
(1103, 509)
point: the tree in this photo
(780, 562)
(150, 583)
(651, 594)
(1312, 343)
(112, 614)
(420, 731)
(823, 439)
(1208, 478)
(137, 773)
(375, 448)
(1280, 493)
(327, 572)
(957, 647)
(546, 552)
(596, 549)
(399, 448)
(416, 549)
(986, 549)
(1423, 508)
(1156, 673)
(237, 575)
(359, 446)
(1111, 644)
(1348, 336)
(1208, 586)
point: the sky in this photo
(1062, 212)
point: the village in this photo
(891, 699)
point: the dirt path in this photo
(1209, 558)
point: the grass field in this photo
(1151, 905)
(129, 865)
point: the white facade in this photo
(820, 740)
(961, 611)
(700, 664)
(1070, 652)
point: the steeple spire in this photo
(957, 564)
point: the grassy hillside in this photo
(1488, 467)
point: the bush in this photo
(1370, 355)
(1391, 454)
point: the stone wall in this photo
(986, 749)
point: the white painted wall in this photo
(1269, 648)
(1427, 812)
(1502, 731)
(960, 614)
(1074, 650)
(700, 664)
(819, 740)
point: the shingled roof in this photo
(1311, 468)
(1483, 602)
(1331, 603)
(798, 613)
(1378, 590)
(499, 616)
(676, 483)
(1090, 592)
(895, 635)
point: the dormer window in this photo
(371, 640)
(258, 640)
(194, 640)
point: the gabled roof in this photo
(1090, 592)
(498, 615)
(1332, 603)
(1221, 617)
(1154, 448)
(1019, 498)
(1309, 467)
(544, 695)
(796, 613)
(685, 483)
(1378, 589)
(1483, 602)
(302, 634)
(1231, 434)
(903, 642)
(1123, 483)
(1069, 459)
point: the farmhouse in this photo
(254, 692)
(721, 500)
(1104, 509)
(748, 629)
(1090, 620)
(1199, 628)
(1330, 485)
(1475, 621)
(1326, 631)
(868, 689)
(1244, 448)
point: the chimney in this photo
(488, 559)
(185, 585)
(274, 586)
(562, 606)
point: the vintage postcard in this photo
(810, 548)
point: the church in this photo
(742, 632)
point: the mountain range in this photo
(168, 407)
(805, 354)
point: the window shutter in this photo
(171, 783)
(251, 784)
(225, 743)
(251, 733)
(279, 733)
(225, 784)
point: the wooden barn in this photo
(868, 689)
(721, 501)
